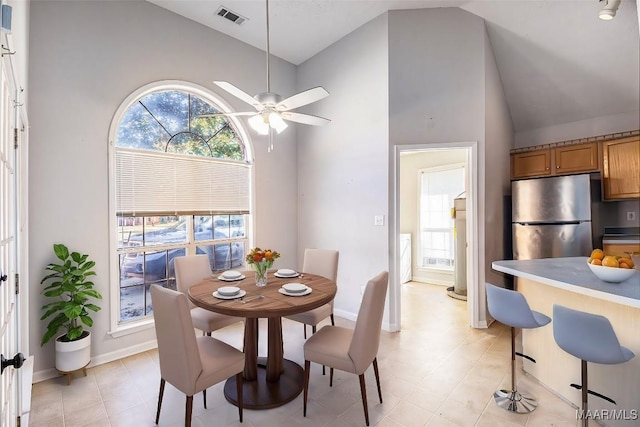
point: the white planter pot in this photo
(73, 355)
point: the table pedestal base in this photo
(262, 394)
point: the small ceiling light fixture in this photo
(609, 10)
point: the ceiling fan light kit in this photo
(271, 109)
(609, 10)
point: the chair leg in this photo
(513, 400)
(239, 386)
(204, 397)
(585, 393)
(160, 394)
(313, 329)
(333, 322)
(330, 377)
(375, 370)
(305, 330)
(187, 411)
(307, 368)
(363, 391)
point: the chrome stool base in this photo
(514, 401)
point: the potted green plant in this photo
(70, 285)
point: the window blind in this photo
(153, 183)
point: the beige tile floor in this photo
(436, 372)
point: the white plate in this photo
(286, 277)
(297, 294)
(294, 288)
(224, 279)
(287, 272)
(238, 295)
(228, 291)
(231, 274)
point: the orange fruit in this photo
(596, 261)
(597, 254)
(624, 265)
(610, 261)
(626, 261)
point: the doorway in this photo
(408, 159)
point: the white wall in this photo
(443, 82)
(497, 163)
(581, 129)
(86, 58)
(343, 166)
(410, 164)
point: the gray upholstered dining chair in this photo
(189, 363)
(189, 270)
(351, 350)
(323, 262)
(590, 338)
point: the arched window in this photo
(180, 186)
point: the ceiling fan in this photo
(271, 110)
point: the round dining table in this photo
(268, 381)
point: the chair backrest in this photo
(366, 334)
(323, 262)
(189, 270)
(180, 362)
(587, 336)
(510, 307)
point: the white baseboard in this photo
(48, 374)
(345, 314)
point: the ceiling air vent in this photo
(231, 16)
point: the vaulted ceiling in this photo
(558, 61)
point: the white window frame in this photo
(117, 329)
(419, 257)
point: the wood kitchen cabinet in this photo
(559, 160)
(576, 158)
(621, 249)
(531, 164)
(621, 168)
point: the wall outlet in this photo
(631, 216)
(378, 220)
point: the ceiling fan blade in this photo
(302, 98)
(235, 114)
(240, 94)
(306, 119)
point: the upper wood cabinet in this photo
(576, 158)
(621, 168)
(560, 160)
(531, 164)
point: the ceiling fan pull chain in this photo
(270, 146)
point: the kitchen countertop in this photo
(574, 275)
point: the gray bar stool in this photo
(511, 308)
(590, 338)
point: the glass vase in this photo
(261, 278)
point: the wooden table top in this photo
(274, 304)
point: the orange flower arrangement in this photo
(261, 260)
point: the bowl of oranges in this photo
(611, 268)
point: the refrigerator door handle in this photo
(552, 223)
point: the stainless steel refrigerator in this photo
(551, 217)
